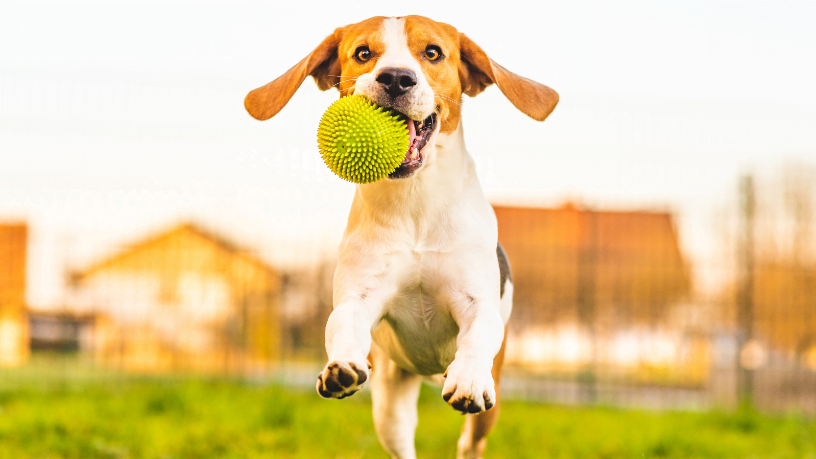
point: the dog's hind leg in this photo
(394, 394)
(473, 440)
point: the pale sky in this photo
(120, 118)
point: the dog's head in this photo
(412, 64)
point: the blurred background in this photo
(661, 224)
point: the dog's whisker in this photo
(344, 81)
(441, 95)
(444, 97)
(449, 124)
(448, 99)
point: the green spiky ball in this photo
(360, 141)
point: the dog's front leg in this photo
(348, 341)
(469, 385)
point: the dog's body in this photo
(421, 287)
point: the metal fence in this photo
(607, 307)
(691, 305)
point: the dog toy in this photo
(360, 141)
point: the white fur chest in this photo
(421, 247)
(417, 329)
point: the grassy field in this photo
(48, 413)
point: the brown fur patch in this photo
(332, 64)
(442, 74)
(365, 33)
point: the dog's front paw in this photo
(468, 391)
(341, 379)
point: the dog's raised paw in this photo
(342, 379)
(467, 393)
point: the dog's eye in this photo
(362, 53)
(432, 53)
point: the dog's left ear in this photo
(322, 64)
(477, 71)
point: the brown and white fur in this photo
(421, 287)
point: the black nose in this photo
(396, 82)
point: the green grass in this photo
(73, 414)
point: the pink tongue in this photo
(411, 132)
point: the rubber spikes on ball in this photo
(360, 141)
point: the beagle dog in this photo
(422, 288)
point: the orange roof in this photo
(144, 255)
(13, 244)
(563, 258)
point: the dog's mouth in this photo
(419, 132)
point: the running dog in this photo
(422, 288)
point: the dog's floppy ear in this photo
(477, 71)
(322, 64)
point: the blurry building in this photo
(597, 286)
(13, 321)
(306, 303)
(784, 296)
(61, 331)
(185, 299)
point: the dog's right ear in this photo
(322, 64)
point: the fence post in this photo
(745, 293)
(586, 297)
